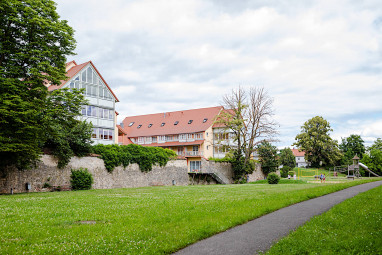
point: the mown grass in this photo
(352, 227)
(282, 181)
(150, 220)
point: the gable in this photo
(89, 79)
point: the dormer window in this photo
(162, 124)
(139, 126)
(131, 123)
(190, 121)
(176, 123)
(150, 125)
(205, 120)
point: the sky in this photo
(314, 58)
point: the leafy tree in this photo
(65, 134)
(377, 145)
(249, 117)
(33, 46)
(373, 161)
(314, 139)
(287, 158)
(351, 146)
(268, 157)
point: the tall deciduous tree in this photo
(351, 146)
(314, 139)
(249, 116)
(287, 158)
(34, 43)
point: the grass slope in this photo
(150, 220)
(352, 227)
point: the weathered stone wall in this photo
(175, 170)
(47, 172)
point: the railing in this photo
(194, 153)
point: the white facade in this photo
(100, 110)
(222, 142)
(300, 161)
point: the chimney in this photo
(164, 115)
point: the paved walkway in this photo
(259, 234)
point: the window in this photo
(205, 120)
(182, 136)
(195, 166)
(94, 133)
(106, 134)
(176, 123)
(131, 123)
(110, 134)
(141, 139)
(139, 126)
(89, 75)
(83, 76)
(150, 125)
(162, 124)
(110, 114)
(101, 113)
(154, 139)
(190, 121)
(84, 110)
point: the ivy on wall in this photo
(123, 155)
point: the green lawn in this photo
(150, 220)
(352, 227)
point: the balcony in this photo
(190, 153)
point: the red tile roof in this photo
(74, 71)
(167, 144)
(169, 118)
(298, 153)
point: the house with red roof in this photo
(192, 134)
(300, 158)
(101, 108)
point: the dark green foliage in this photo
(46, 185)
(273, 178)
(34, 44)
(373, 161)
(65, 135)
(81, 179)
(351, 146)
(377, 145)
(268, 157)
(241, 168)
(284, 171)
(320, 149)
(287, 158)
(123, 155)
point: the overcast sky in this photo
(313, 57)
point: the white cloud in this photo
(317, 58)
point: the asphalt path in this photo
(259, 234)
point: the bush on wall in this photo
(123, 155)
(81, 179)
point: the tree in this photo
(377, 145)
(248, 116)
(320, 149)
(373, 157)
(351, 146)
(268, 157)
(287, 158)
(34, 43)
(65, 134)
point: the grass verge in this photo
(150, 220)
(352, 227)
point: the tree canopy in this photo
(287, 158)
(268, 157)
(34, 43)
(320, 149)
(351, 146)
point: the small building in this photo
(192, 134)
(300, 158)
(101, 109)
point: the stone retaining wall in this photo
(47, 172)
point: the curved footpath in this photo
(260, 233)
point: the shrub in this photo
(81, 179)
(273, 178)
(117, 155)
(284, 171)
(46, 185)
